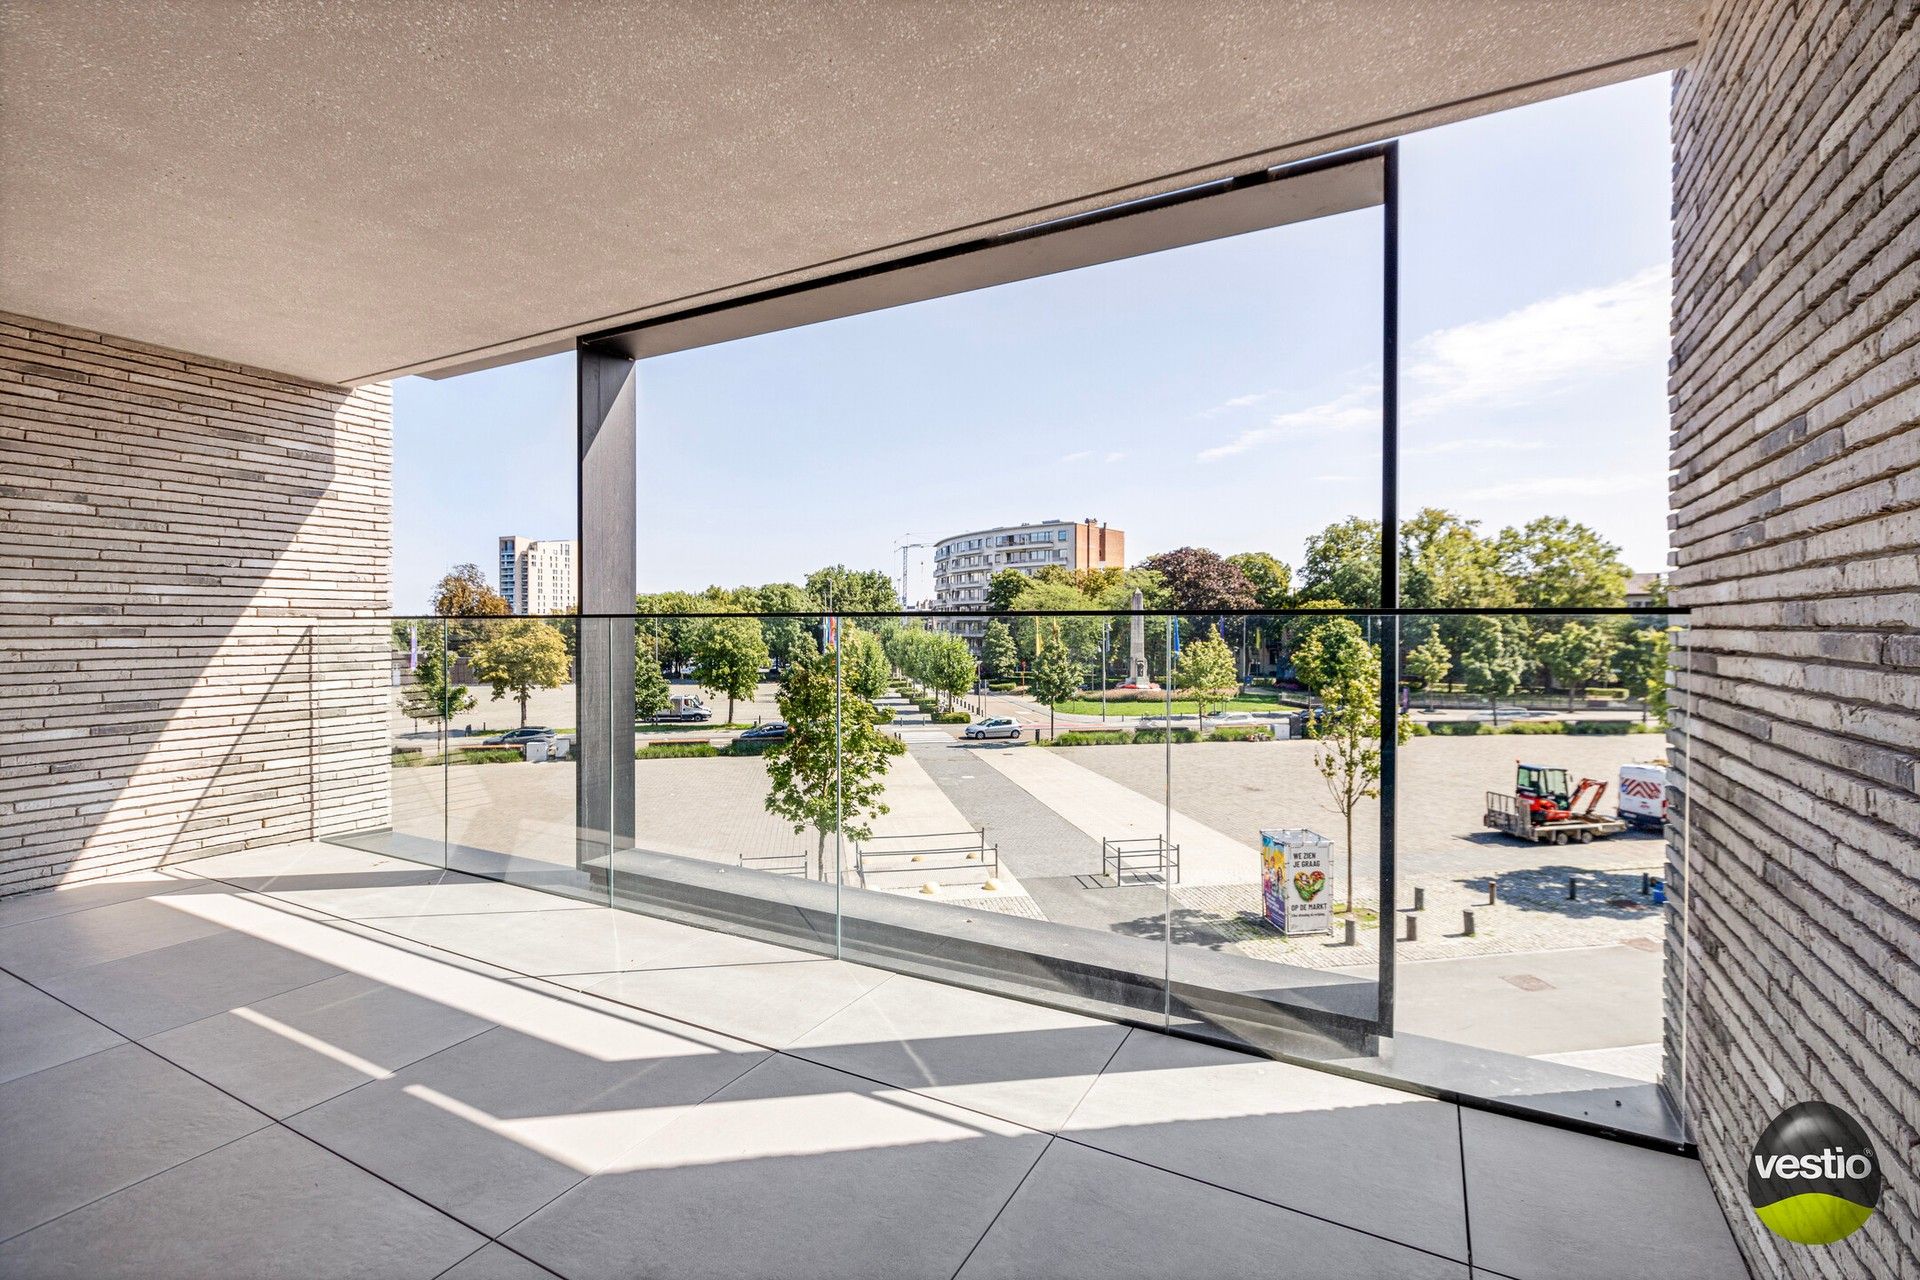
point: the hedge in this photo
(674, 751)
(1240, 733)
(1579, 728)
(1160, 735)
(952, 717)
(1093, 738)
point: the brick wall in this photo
(1796, 518)
(195, 562)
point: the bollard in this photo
(1646, 883)
(1353, 935)
(1573, 888)
(1419, 898)
(1466, 924)
(1493, 892)
(1413, 929)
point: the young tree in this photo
(518, 657)
(1428, 662)
(728, 655)
(1575, 655)
(1347, 750)
(464, 593)
(432, 696)
(651, 696)
(864, 666)
(1334, 652)
(950, 666)
(997, 653)
(1492, 663)
(804, 767)
(1055, 675)
(1206, 671)
(1642, 666)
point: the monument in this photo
(1137, 677)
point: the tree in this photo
(1335, 652)
(1343, 563)
(950, 669)
(790, 636)
(838, 589)
(651, 696)
(464, 593)
(1446, 564)
(1428, 662)
(1347, 749)
(659, 618)
(1557, 563)
(1003, 588)
(997, 654)
(1271, 580)
(1200, 581)
(1206, 671)
(519, 657)
(1492, 662)
(1575, 655)
(432, 696)
(1055, 675)
(1642, 667)
(1081, 635)
(865, 668)
(728, 655)
(818, 778)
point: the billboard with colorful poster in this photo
(1295, 889)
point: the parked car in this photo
(992, 727)
(1214, 718)
(521, 737)
(772, 731)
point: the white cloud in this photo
(1116, 457)
(1349, 411)
(1238, 402)
(1544, 347)
(1079, 456)
(1567, 487)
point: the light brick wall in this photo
(195, 565)
(1796, 518)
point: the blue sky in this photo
(1223, 395)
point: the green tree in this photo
(1428, 662)
(1055, 674)
(1446, 564)
(1641, 665)
(518, 657)
(1557, 563)
(1492, 662)
(821, 779)
(1206, 671)
(1575, 655)
(1201, 581)
(788, 637)
(465, 593)
(1003, 588)
(660, 617)
(651, 696)
(1334, 652)
(951, 671)
(865, 668)
(432, 696)
(838, 589)
(1271, 580)
(1343, 563)
(997, 654)
(728, 656)
(1346, 732)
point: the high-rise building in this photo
(539, 577)
(964, 564)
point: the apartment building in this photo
(964, 564)
(539, 577)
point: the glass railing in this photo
(1214, 825)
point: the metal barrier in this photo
(780, 864)
(1144, 858)
(929, 851)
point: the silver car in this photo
(993, 727)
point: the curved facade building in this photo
(965, 563)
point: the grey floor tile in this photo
(492, 1128)
(1377, 1159)
(288, 1053)
(1018, 1061)
(84, 1129)
(172, 986)
(271, 1205)
(1084, 1213)
(37, 1031)
(797, 1171)
(1549, 1204)
(496, 1262)
(545, 943)
(422, 891)
(44, 904)
(41, 949)
(769, 1004)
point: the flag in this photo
(413, 646)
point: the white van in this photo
(1643, 795)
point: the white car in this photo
(994, 727)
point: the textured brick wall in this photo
(195, 562)
(1796, 517)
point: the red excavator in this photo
(1543, 807)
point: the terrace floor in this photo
(315, 1061)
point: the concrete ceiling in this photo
(349, 191)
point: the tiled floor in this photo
(312, 1061)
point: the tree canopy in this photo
(1206, 671)
(465, 593)
(518, 657)
(823, 780)
(728, 656)
(1199, 581)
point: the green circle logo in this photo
(1813, 1177)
